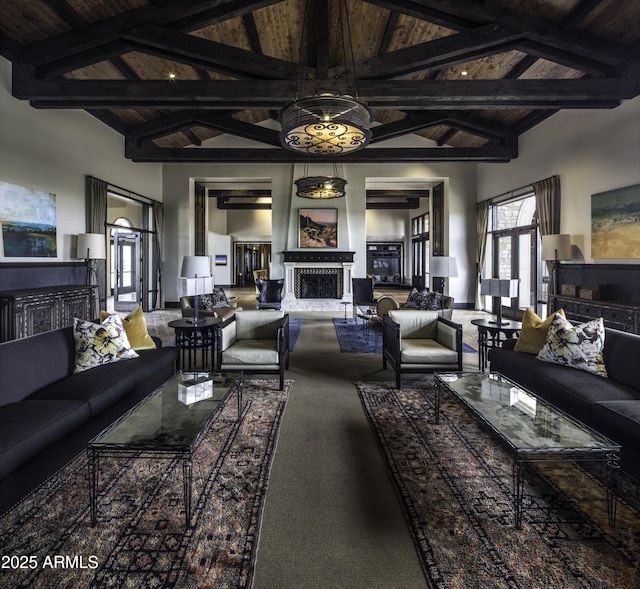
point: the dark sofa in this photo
(609, 405)
(48, 414)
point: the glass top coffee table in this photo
(168, 423)
(531, 428)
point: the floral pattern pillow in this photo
(216, 300)
(424, 300)
(577, 346)
(100, 343)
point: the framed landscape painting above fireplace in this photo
(318, 228)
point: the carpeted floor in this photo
(356, 338)
(455, 483)
(140, 539)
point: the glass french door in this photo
(126, 270)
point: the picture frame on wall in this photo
(615, 223)
(27, 222)
(318, 228)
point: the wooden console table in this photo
(624, 316)
(30, 311)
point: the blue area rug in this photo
(295, 325)
(355, 340)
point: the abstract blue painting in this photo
(27, 222)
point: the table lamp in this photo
(498, 288)
(443, 267)
(556, 248)
(195, 279)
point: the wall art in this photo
(318, 228)
(27, 222)
(615, 223)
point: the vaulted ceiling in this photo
(465, 78)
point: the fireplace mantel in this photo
(318, 256)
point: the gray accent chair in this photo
(415, 341)
(254, 342)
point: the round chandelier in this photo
(320, 187)
(326, 125)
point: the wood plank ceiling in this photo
(464, 78)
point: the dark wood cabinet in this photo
(617, 315)
(30, 311)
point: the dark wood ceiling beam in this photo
(488, 153)
(61, 66)
(267, 94)
(399, 203)
(536, 29)
(208, 54)
(238, 193)
(389, 29)
(569, 59)
(409, 124)
(582, 9)
(239, 128)
(521, 67)
(224, 204)
(252, 32)
(397, 193)
(182, 15)
(124, 68)
(191, 136)
(68, 14)
(418, 10)
(444, 139)
(439, 53)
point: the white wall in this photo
(591, 151)
(460, 201)
(53, 150)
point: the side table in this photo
(490, 335)
(191, 337)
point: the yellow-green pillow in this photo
(136, 329)
(534, 331)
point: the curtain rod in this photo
(129, 192)
(510, 192)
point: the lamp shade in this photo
(443, 267)
(195, 266)
(91, 246)
(499, 287)
(556, 247)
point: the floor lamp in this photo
(91, 247)
(556, 248)
(195, 280)
(498, 288)
(443, 267)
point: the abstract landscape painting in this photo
(615, 223)
(318, 228)
(27, 221)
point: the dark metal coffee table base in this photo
(96, 452)
(601, 449)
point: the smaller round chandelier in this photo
(326, 125)
(320, 187)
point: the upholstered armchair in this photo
(254, 342)
(270, 293)
(415, 341)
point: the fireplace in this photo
(318, 283)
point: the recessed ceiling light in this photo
(464, 72)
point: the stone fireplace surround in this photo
(297, 263)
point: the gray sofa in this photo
(609, 405)
(48, 414)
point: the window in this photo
(513, 252)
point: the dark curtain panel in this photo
(547, 193)
(482, 226)
(158, 224)
(96, 220)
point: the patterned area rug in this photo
(140, 539)
(354, 338)
(454, 480)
